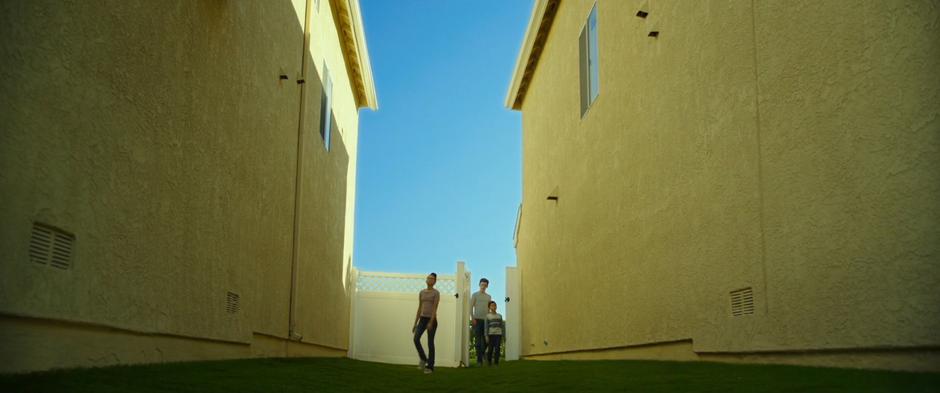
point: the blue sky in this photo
(439, 176)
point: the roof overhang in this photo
(537, 33)
(352, 39)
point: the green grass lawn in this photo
(345, 375)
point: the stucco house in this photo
(749, 181)
(177, 179)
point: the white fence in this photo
(383, 310)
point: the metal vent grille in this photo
(742, 302)
(40, 244)
(231, 304)
(51, 246)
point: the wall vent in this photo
(742, 302)
(51, 246)
(231, 304)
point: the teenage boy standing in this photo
(479, 307)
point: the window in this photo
(326, 108)
(590, 70)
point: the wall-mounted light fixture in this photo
(553, 196)
(644, 10)
(655, 28)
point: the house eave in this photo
(348, 19)
(540, 23)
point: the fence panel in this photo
(383, 310)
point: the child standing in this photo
(494, 331)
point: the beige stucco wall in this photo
(911, 359)
(337, 191)
(790, 147)
(41, 343)
(162, 137)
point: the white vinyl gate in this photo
(513, 314)
(383, 310)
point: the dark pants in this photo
(492, 350)
(422, 326)
(481, 342)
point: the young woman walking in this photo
(426, 319)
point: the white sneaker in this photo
(421, 364)
(428, 371)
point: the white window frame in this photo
(326, 108)
(589, 70)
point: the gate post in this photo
(353, 295)
(461, 315)
(513, 314)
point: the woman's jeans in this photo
(422, 326)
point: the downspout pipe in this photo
(292, 333)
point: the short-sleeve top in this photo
(480, 304)
(494, 324)
(428, 298)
